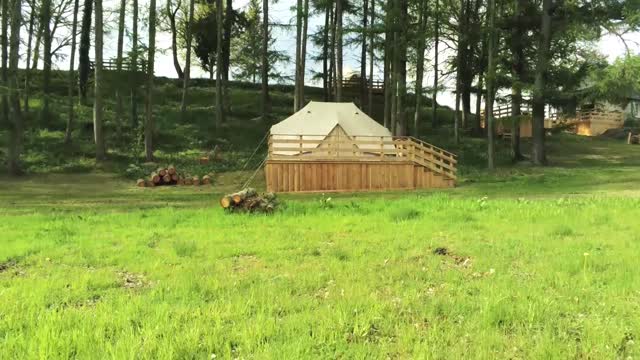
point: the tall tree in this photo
(45, 20)
(436, 41)
(72, 78)
(134, 65)
(338, 46)
(187, 64)
(226, 55)
(491, 79)
(459, 69)
(172, 14)
(420, 45)
(27, 69)
(305, 29)
(539, 156)
(325, 51)
(219, 67)
(363, 54)
(402, 69)
(98, 111)
(5, 59)
(149, 125)
(85, 46)
(517, 74)
(371, 57)
(266, 103)
(119, 59)
(298, 65)
(15, 133)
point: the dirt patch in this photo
(461, 261)
(6, 265)
(133, 280)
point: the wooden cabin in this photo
(334, 147)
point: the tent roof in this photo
(319, 118)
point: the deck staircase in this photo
(435, 167)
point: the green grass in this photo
(532, 263)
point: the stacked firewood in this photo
(170, 176)
(248, 200)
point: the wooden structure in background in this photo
(354, 83)
(595, 122)
(356, 163)
(526, 130)
(591, 122)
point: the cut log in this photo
(140, 183)
(155, 178)
(206, 180)
(226, 201)
(171, 170)
(187, 181)
(244, 194)
(162, 172)
(166, 179)
(150, 184)
(248, 200)
(196, 181)
(174, 177)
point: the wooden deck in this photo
(356, 164)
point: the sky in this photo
(281, 13)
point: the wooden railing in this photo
(357, 82)
(363, 149)
(112, 65)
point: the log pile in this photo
(170, 176)
(248, 200)
(633, 139)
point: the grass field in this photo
(524, 263)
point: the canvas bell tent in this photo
(337, 147)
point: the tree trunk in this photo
(85, 45)
(371, 57)
(27, 70)
(478, 125)
(5, 59)
(419, 65)
(266, 103)
(226, 52)
(119, 51)
(539, 156)
(363, 54)
(296, 92)
(219, 67)
(491, 78)
(402, 69)
(15, 133)
(149, 124)
(45, 19)
(98, 95)
(459, 71)
(339, 50)
(333, 84)
(434, 100)
(171, 15)
(134, 66)
(303, 53)
(517, 73)
(325, 54)
(187, 63)
(388, 59)
(36, 49)
(72, 85)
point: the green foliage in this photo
(617, 82)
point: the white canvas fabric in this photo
(319, 120)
